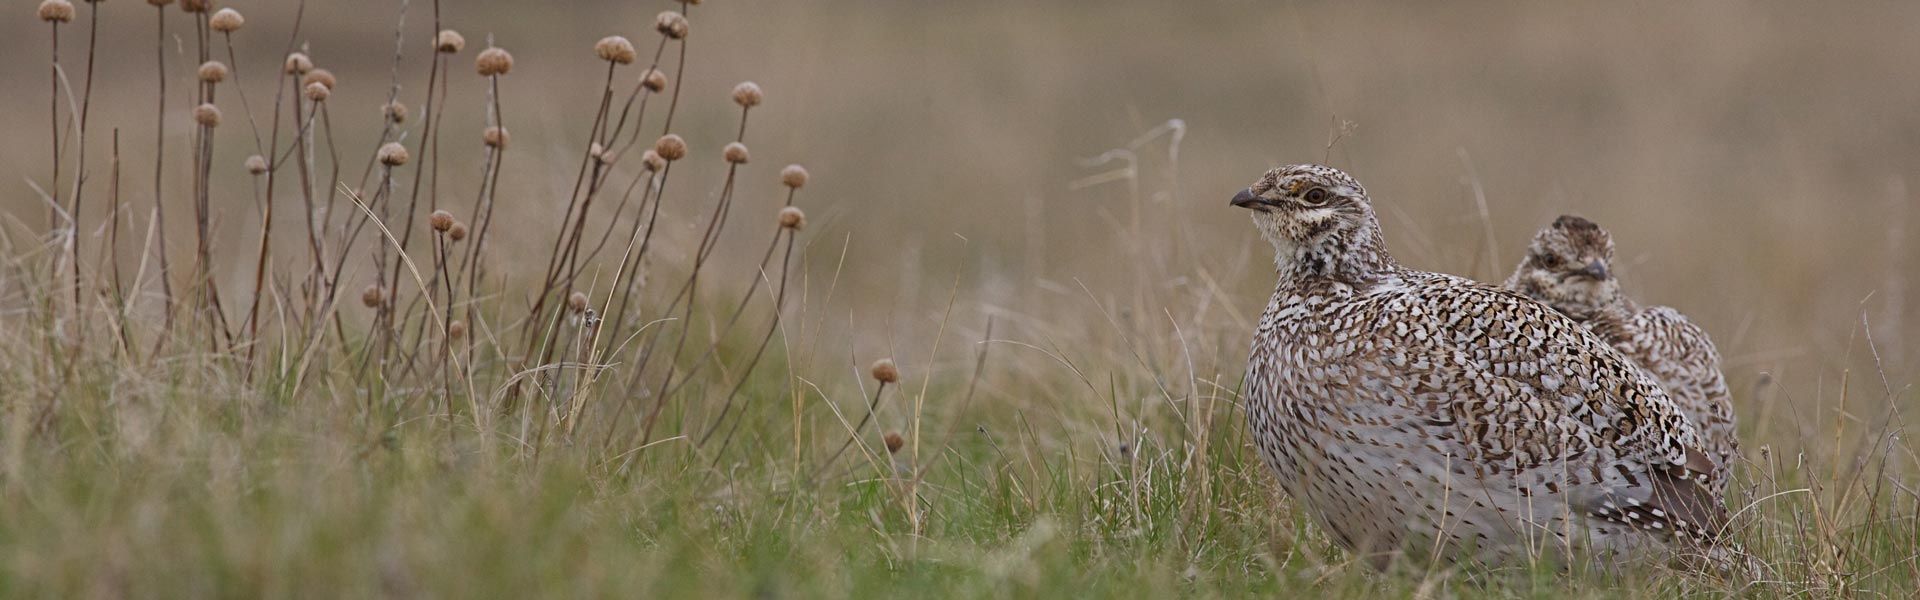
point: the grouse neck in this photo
(1612, 319)
(1356, 259)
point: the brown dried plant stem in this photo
(426, 169)
(350, 228)
(656, 189)
(603, 139)
(79, 176)
(433, 124)
(159, 169)
(446, 326)
(357, 221)
(482, 211)
(739, 308)
(589, 177)
(689, 291)
(246, 109)
(854, 434)
(384, 324)
(375, 345)
(113, 248)
(640, 93)
(271, 154)
(766, 339)
(53, 122)
(318, 290)
(613, 221)
(53, 189)
(432, 116)
(203, 171)
(441, 277)
(679, 71)
(628, 273)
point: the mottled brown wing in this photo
(1632, 456)
(1681, 356)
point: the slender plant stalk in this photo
(773, 325)
(113, 249)
(270, 154)
(79, 177)
(872, 407)
(53, 121)
(420, 172)
(589, 170)
(159, 169)
(690, 289)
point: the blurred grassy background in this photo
(1755, 163)
(1751, 161)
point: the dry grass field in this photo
(297, 386)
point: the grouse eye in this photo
(1315, 196)
(1548, 260)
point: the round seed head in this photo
(894, 442)
(393, 154)
(671, 24)
(226, 21)
(794, 176)
(440, 220)
(56, 11)
(256, 164)
(395, 111)
(196, 6)
(794, 219)
(449, 41)
(577, 302)
(207, 114)
(654, 80)
(615, 49)
(493, 61)
(457, 232)
(373, 296)
(456, 329)
(747, 94)
(213, 71)
(598, 153)
(884, 371)
(671, 147)
(318, 92)
(320, 76)
(298, 63)
(736, 153)
(495, 137)
(653, 161)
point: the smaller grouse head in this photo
(1567, 267)
(1318, 219)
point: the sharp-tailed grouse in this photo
(1418, 411)
(1568, 267)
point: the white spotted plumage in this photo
(1410, 410)
(1568, 267)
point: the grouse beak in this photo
(1596, 269)
(1247, 199)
